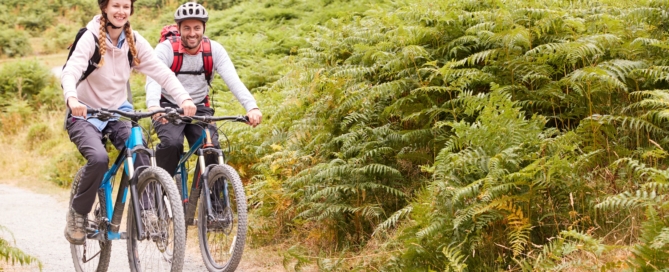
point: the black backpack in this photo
(95, 59)
(93, 62)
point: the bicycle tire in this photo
(177, 181)
(220, 251)
(167, 237)
(99, 262)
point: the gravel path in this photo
(37, 222)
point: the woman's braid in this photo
(131, 43)
(101, 40)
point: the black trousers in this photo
(171, 137)
(88, 140)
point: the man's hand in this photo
(255, 117)
(188, 107)
(156, 117)
(77, 108)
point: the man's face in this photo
(191, 31)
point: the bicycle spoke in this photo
(156, 252)
(221, 239)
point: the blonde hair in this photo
(129, 37)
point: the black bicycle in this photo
(222, 214)
(155, 242)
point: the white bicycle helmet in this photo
(191, 10)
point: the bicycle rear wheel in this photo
(163, 248)
(93, 255)
(222, 238)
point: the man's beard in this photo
(185, 43)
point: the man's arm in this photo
(226, 69)
(153, 89)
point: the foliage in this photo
(11, 254)
(474, 130)
(25, 79)
(450, 135)
(14, 43)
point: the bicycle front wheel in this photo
(163, 246)
(222, 236)
(93, 255)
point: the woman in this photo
(106, 88)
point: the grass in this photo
(29, 167)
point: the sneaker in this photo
(75, 231)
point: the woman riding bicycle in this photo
(111, 34)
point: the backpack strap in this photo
(92, 62)
(95, 59)
(178, 56)
(207, 59)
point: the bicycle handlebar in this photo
(173, 115)
(106, 114)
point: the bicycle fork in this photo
(128, 181)
(205, 179)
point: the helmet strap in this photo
(109, 23)
(113, 26)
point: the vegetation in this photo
(416, 135)
(12, 255)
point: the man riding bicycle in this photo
(191, 19)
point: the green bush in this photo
(219, 4)
(14, 43)
(65, 166)
(37, 133)
(36, 19)
(24, 78)
(57, 39)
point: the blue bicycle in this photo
(222, 212)
(155, 243)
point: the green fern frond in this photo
(628, 200)
(393, 219)
(455, 260)
(632, 123)
(478, 58)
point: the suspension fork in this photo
(135, 196)
(205, 177)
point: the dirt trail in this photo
(37, 222)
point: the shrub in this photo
(58, 39)
(35, 19)
(37, 133)
(219, 4)
(14, 43)
(65, 166)
(24, 78)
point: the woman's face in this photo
(118, 11)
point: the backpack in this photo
(95, 59)
(93, 62)
(171, 33)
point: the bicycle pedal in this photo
(124, 235)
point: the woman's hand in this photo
(77, 108)
(188, 107)
(255, 117)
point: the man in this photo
(191, 19)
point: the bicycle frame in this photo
(202, 146)
(134, 144)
